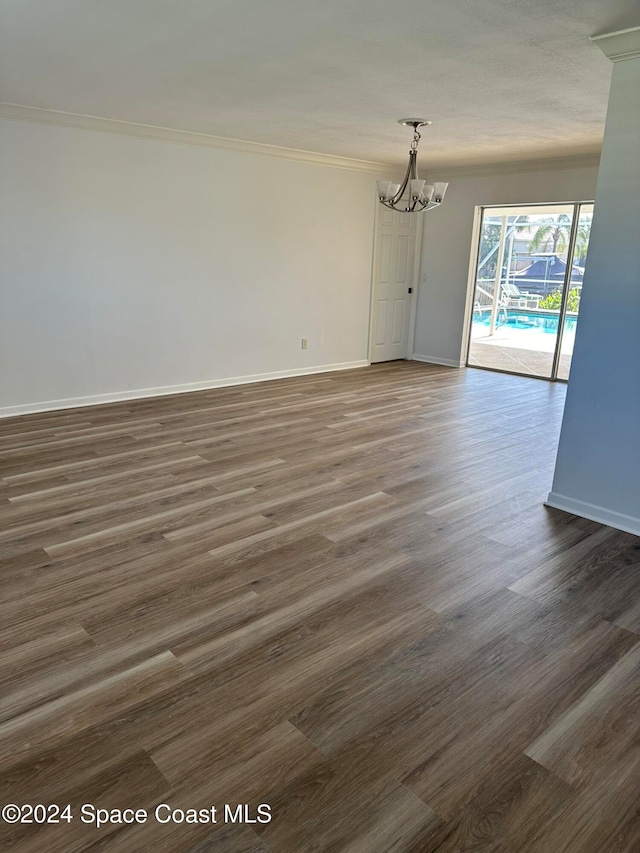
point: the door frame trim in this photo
(415, 283)
(478, 214)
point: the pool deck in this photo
(517, 360)
(528, 351)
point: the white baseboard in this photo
(165, 390)
(445, 362)
(610, 517)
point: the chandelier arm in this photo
(404, 183)
(413, 206)
(414, 174)
(425, 206)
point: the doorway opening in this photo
(527, 288)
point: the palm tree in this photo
(554, 232)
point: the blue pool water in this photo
(514, 319)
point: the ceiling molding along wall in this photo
(621, 45)
(580, 161)
(19, 112)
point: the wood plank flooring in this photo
(338, 595)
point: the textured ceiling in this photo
(502, 80)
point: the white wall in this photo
(598, 466)
(446, 246)
(129, 264)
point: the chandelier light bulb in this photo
(383, 190)
(438, 191)
(416, 188)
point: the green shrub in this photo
(554, 299)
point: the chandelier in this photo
(421, 195)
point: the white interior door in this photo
(392, 283)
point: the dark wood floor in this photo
(340, 596)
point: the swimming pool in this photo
(522, 319)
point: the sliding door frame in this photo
(473, 267)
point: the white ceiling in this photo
(502, 80)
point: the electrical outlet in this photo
(304, 344)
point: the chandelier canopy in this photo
(421, 195)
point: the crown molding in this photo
(621, 45)
(20, 112)
(579, 161)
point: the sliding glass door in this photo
(527, 288)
